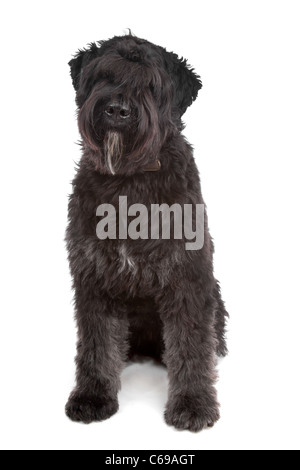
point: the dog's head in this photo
(131, 95)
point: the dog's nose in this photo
(117, 111)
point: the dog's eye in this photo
(108, 76)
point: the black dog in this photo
(147, 296)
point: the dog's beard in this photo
(113, 150)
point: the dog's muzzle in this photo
(117, 113)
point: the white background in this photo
(245, 131)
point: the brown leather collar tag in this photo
(155, 167)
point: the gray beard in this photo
(113, 148)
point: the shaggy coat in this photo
(139, 297)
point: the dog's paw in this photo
(85, 409)
(187, 413)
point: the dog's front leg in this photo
(190, 344)
(102, 348)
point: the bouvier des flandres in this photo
(142, 295)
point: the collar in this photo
(154, 167)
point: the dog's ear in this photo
(81, 59)
(185, 81)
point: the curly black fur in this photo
(149, 297)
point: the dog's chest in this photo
(126, 261)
